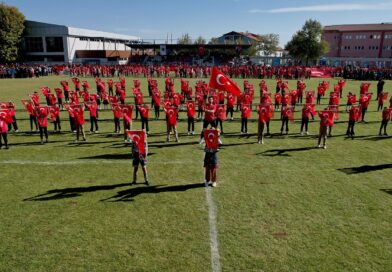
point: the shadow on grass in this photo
(171, 144)
(126, 156)
(364, 168)
(130, 194)
(377, 138)
(388, 191)
(72, 192)
(283, 152)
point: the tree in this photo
(200, 40)
(214, 41)
(306, 44)
(11, 29)
(185, 39)
(269, 43)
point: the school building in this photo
(365, 45)
(51, 43)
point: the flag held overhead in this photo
(220, 81)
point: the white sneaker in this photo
(307, 133)
(219, 141)
(318, 146)
(259, 142)
(214, 184)
(325, 147)
(302, 133)
(201, 141)
(262, 142)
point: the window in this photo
(54, 44)
(33, 44)
(83, 39)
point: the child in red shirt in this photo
(386, 117)
(245, 115)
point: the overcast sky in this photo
(208, 18)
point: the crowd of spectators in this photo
(189, 71)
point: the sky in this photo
(157, 20)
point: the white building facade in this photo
(50, 43)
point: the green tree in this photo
(214, 41)
(200, 40)
(306, 44)
(185, 39)
(269, 43)
(11, 29)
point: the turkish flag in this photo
(54, 112)
(311, 107)
(264, 113)
(335, 110)
(127, 112)
(139, 138)
(190, 108)
(220, 81)
(221, 112)
(211, 138)
(5, 116)
(113, 99)
(143, 109)
(329, 115)
(171, 113)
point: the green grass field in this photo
(281, 206)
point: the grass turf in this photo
(281, 206)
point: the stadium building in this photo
(51, 43)
(365, 45)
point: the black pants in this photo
(60, 102)
(380, 106)
(57, 124)
(42, 131)
(111, 91)
(304, 123)
(231, 111)
(299, 100)
(350, 128)
(72, 123)
(117, 126)
(33, 119)
(318, 99)
(199, 112)
(4, 136)
(205, 125)
(220, 123)
(156, 109)
(363, 113)
(137, 112)
(244, 125)
(144, 123)
(94, 123)
(13, 124)
(384, 124)
(191, 124)
(66, 96)
(285, 122)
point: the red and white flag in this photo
(220, 81)
(139, 138)
(211, 138)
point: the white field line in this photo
(215, 263)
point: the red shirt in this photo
(245, 111)
(209, 112)
(144, 111)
